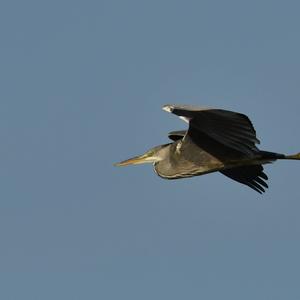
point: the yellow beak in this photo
(134, 161)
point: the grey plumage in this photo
(216, 140)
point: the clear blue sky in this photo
(82, 85)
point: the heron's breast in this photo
(187, 164)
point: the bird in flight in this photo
(217, 140)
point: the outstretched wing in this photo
(253, 176)
(232, 129)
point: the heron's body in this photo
(217, 140)
(187, 159)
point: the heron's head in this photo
(153, 155)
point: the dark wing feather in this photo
(176, 135)
(253, 176)
(231, 129)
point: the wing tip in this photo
(168, 107)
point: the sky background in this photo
(82, 86)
